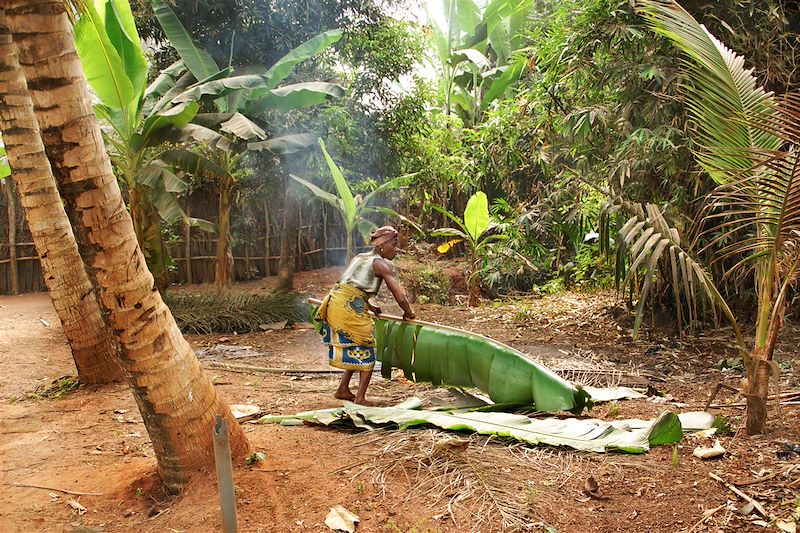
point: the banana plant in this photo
(236, 126)
(353, 209)
(110, 51)
(465, 43)
(748, 143)
(476, 231)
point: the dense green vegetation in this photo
(570, 116)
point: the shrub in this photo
(428, 285)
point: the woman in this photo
(348, 330)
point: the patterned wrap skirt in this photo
(347, 328)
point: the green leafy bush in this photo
(428, 285)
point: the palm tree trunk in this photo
(176, 399)
(288, 242)
(74, 298)
(224, 265)
(11, 212)
(758, 369)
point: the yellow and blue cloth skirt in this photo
(347, 328)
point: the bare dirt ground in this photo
(92, 440)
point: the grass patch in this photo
(229, 311)
(58, 388)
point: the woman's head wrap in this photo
(382, 235)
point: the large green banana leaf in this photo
(585, 435)
(198, 60)
(442, 355)
(448, 356)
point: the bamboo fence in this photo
(255, 247)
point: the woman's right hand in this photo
(409, 315)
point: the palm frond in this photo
(758, 214)
(725, 99)
(653, 244)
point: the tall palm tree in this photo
(748, 143)
(177, 401)
(74, 298)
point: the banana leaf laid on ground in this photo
(444, 355)
(585, 435)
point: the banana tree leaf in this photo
(101, 62)
(178, 116)
(295, 96)
(202, 134)
(211, 120)
(448, 232)
(243, 128)
(202, 224)
(609, 394)
(472, 55)
(285, 65)
(342, 188)
(197, 60)
(167, 206)
(5, 169)
(442, 355)
(476, 215)
(192, 163)
(222, 86)
(585, 435)
(325, 196)
(509, 76)
(155, 176)
(166, 79)
(286, 144)
(186, 82)
(122, 33)
(391, 213)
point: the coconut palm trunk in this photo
(177, 401)
(74, 298)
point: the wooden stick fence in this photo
(320, 243)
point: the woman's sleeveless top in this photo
(360, 274)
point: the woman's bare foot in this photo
(366, 403)
(349, 396)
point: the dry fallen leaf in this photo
(80, 509)
(341, 519)
(591, 486)
(709, 453)
(789, 526)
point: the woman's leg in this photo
(343, 393)
(363, 383)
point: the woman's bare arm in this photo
(382, 270)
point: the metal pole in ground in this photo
(227, 492)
